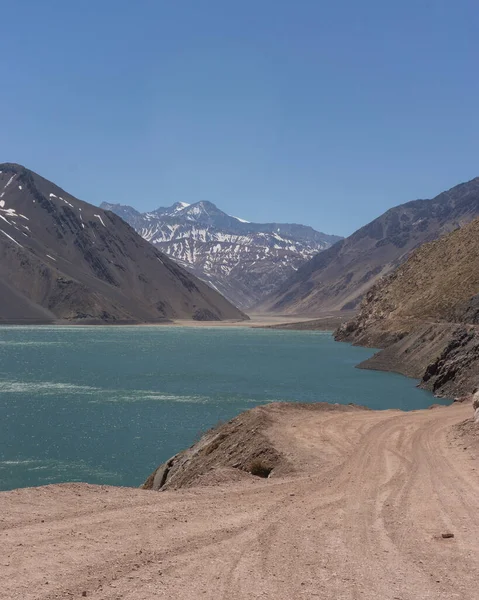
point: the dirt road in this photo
(363, 520)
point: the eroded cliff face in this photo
(443, 356)
(231, 451)
(253, 445)
(425, 316)
(455, 370)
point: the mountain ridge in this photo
(338, 278)
(65, 259)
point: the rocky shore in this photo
(425, 316)
(443, 356)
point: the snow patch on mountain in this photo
(243, 260)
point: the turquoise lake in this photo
(108, 404)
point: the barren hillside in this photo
(339, 277)
(64, 259)
(426, 314)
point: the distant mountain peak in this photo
(242, 260)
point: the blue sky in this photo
(322, 113)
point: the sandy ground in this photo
(363, 519)
(255, 321)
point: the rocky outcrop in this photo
(424, 315)
(230, 451)
(475, 406)
(455, 370)
(247, 447)
(443, 356)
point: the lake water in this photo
(108, 404)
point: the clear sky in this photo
(319, 112)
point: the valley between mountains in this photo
(242, 260)
(285, 500)
(239, 300)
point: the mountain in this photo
(426, 315)
(244, 261)
(339, 277)
(64, 259)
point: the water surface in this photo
(108, 404)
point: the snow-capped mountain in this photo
(242, 260)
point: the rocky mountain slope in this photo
(426, 315)
(339, 277)
(244, 261)
(64, 259)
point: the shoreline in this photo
(255, 321)
(441, 355)
(281, 406)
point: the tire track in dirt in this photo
(361, 520)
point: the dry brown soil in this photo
(362, 518)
